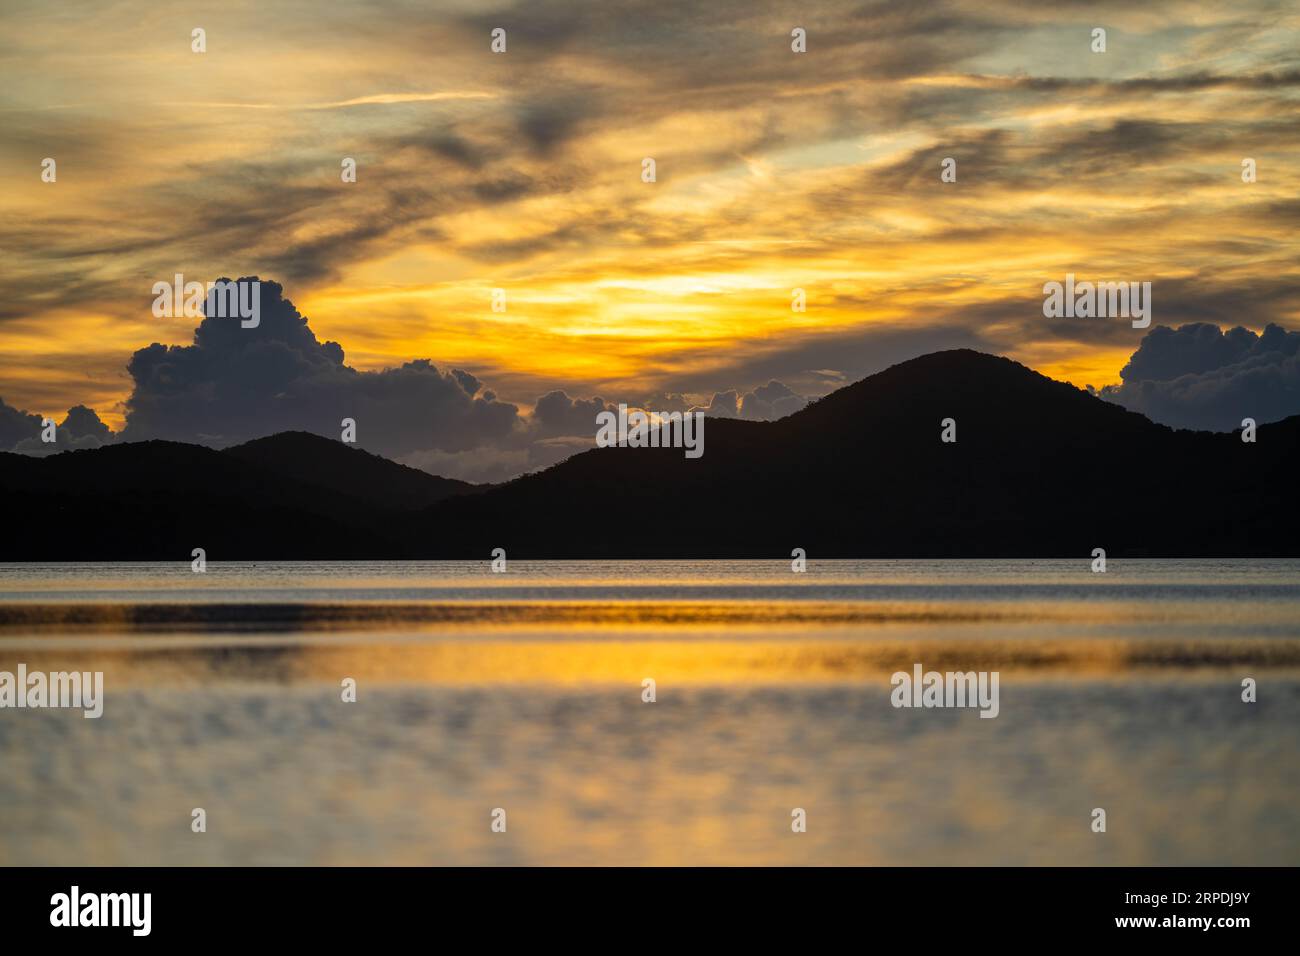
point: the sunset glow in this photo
(522, 172)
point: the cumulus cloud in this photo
(20, 431)
(1198, 376)
(770, 402)
(721, 405)
(84, 423)
(557, 414)
(234, 383)
(666, 402)
(16, 425)
(765, 403)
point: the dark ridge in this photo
(348, 470)
(1039, 469)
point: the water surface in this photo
(524, 691)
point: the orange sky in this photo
(522, 171)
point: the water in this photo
(524, 691)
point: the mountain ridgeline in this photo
(1039, 469)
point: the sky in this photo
(523, 171)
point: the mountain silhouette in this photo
(348, 470)
(290, 495)
(1039, 469)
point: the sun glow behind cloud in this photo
(521, 172)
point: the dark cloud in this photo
(15, 425)
(505, 188)
(82, 423)
(234, 384)
(548, 122)
(770, 402)
(666, 402)
(237, 383)
(1198, 376)
(765, 403)
(448, 145)
(468, 382)
(1182, 83)
(721, 405)
(20, 431)
(557, 414)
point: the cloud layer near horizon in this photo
(233, 384)
(1201, 377)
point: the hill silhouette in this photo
(155, 499)
(1039, 468)
(348, 470)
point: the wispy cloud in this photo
(522, 171)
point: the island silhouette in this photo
(1039, 468)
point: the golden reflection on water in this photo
(629, 660)
(566, 642)
(230, 699)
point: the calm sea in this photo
(524, 691)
